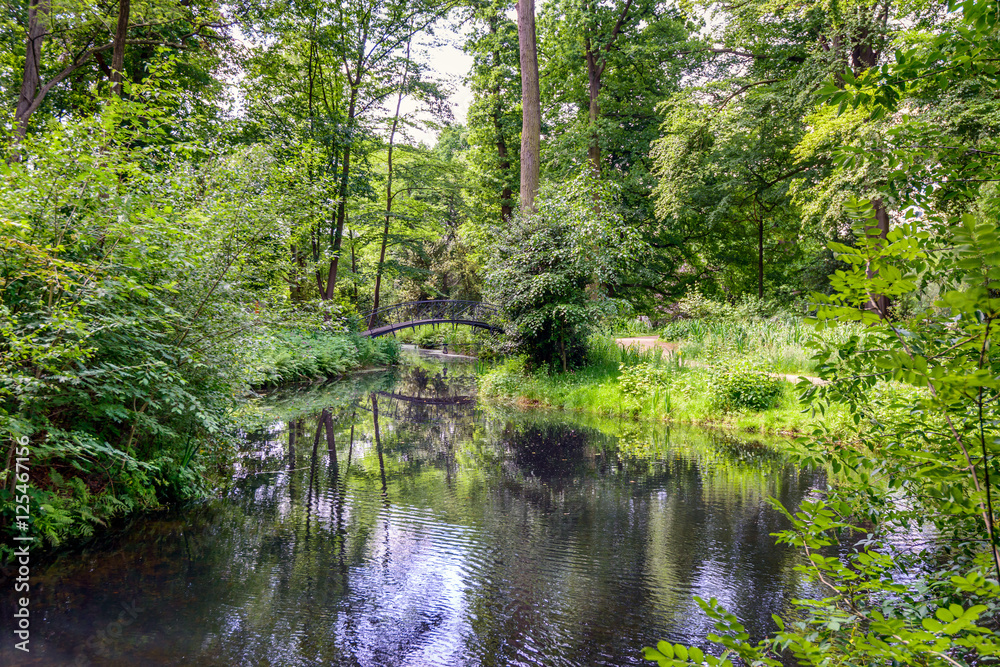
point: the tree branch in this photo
(743, 89)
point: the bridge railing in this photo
(442, 309)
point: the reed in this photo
(778, 344)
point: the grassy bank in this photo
(458, 340)
(659, 385)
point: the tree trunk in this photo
(118, 54)
(506, 194)
(388, 187)
(531, 114)
(562, 349)
(594, 72)
(760, 257)
(37, 30)
(596, 64)
(338, 236)
(879, 303)
(354, 267)
(865, 56)
(297, 275)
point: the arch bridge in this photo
(443, 311)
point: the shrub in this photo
(507, 379)
(642, 379)
(546, 270)
(743, 388)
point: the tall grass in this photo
(604, 355)
(777, 343)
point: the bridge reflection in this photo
(420, 410)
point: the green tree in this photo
(546, 268)
(606, 69)
(337, 63)
(926, 456)
(65, 45)
(725, 178)
(494, 116)
(121, 306)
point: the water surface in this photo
(392, 520)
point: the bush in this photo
(506, 380)
(297, 355)
(642, 379)
(744, 388)
(546, 270)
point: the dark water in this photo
(418, 528)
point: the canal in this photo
(391, 519)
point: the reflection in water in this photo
(433, 531)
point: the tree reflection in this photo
(510, 537)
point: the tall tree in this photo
(377, 29)
(118, 50)
(531, 110)
(790, 52)
(725, 188)
(596, 47)
(389, 194)
(322, 74)
(608, 68)
(80, 37)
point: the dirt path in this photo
(653, 342)
(646, 343)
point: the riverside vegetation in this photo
(132, 322)
(727, 365)
(209, 210)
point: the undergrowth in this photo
(290, 355)
(654, 384)
(776, 339)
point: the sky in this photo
(450, 62)
(445, 57)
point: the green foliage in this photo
(743, 387)
(641, 384)
(676, 655)
(303, 355)
(923, 458)
(724, 193)
(506, 379)
(604, 353)
(494, 116)
(545, 269)
(641, 379)
(124, 339)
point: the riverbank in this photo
(681, 395)
(86, 477)
(298, 354)
(651, 383)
